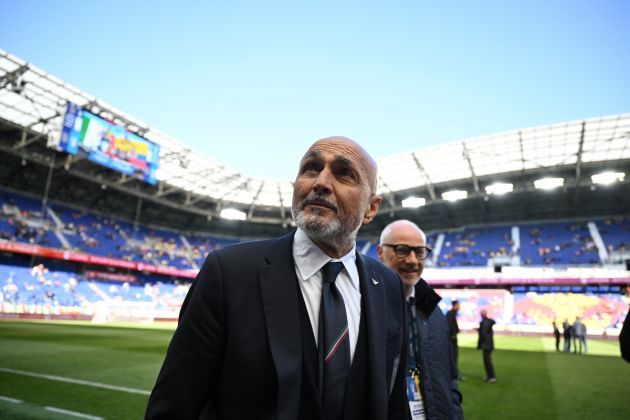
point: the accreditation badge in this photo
(416, 405)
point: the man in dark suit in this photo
(624, 339)
(486, 344)
(300, 327)
(430, 363)
(453, 328)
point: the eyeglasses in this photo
(403, 251)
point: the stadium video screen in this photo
(108, 144)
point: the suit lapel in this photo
(278, 288)
(373, 291)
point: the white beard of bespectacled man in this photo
(334, 231)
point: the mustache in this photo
(318, 200)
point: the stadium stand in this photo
(599, 311)
(541, 244)
(475, 246)
(558, 244)
(39, 291)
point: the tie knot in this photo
(331, 271)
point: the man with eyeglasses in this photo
(432, 377)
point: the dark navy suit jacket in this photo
(237, 350)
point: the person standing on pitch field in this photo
(486, 344)
(556, 333)
(579, 336)
(453, 330)
(624, 339)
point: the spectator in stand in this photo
(556, 333)
(579, 335)
(430, 363)
(567, 334)
(10, 290)
(486, 344)
(453, 330)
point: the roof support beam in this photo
(12, 79)
(282, 210)
(520, 143)
(389, 194)
(254, 200)
(164, 191)
(470, 165)
(69, 160)
(124, 178)
(578, 166)
(578, 163)
(191, 201)
(425, 175)
(25, 141)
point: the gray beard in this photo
(334, 233)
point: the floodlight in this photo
(454, 195)
(499, 188)
(233, 214)
(607, 178)
(413, 202)
(548, 183)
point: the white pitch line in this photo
(9, 399)
(72, 413)
(77, 381)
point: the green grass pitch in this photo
(43, 365)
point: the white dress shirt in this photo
(309, 261)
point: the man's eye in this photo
(309, 167)
(346, 172)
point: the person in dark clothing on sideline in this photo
(431, 365)
(624, 339)
(556, 334)
(453, 330)
(567, 334)
(486, 344)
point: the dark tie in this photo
(334, 344)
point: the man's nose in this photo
(323, 182)
(412, 258)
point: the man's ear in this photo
(379, 251)
(370, 213)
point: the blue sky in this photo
(253, 84)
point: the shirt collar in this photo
(412, 296)
(309, 258)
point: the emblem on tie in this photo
(375, 282)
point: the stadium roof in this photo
(33, 99)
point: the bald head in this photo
(347, 148)
(399, 227)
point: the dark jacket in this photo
(486, 335)
(438, 374)
(624, 339)
(237, 352)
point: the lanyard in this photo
(414, 348)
